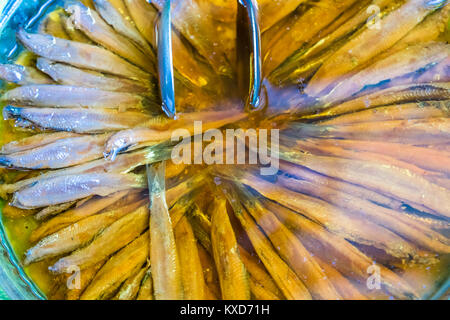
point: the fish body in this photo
(70, 76)
(59, 154)
(73, 187)
(368, 44)
(34, 141)
(22, 75)
(79, 120)
(90, 22)
(74, 236)
(71, 97)
(79, 212)
(117, 269)
(401, 63)
(232, 273)
(113, 238)
(166, 271)
(118, 20)
(81, 55)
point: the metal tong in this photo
(248, 53)
(165, 60)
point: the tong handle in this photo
(165, 60)
(249, 53)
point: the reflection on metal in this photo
(165, 61)
(249, 54)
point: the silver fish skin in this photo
(59, 154)
(35, 141)
(110, 240)
(70, 76)
(80, 55)
(62, 189)
(48, 95)
(368, 44)
(53, 210)
(22, 75)
(123, 26)
(74, 120)
(123, 164)
(397, 65)
(74, 236)
(90, 23)
(144, 16)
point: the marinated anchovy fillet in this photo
(124, 163)
(122, 25)
(54, 25)
(428, 30)
(397, 94)
(191, 268)
(74, 236)
(166, 272)
(58, 190)
(398, 64)
(53, 210)
(80, 55)
(71, 76)
(331, 248)
(113, 238)
(22, 75)
(304, 28)
(99, 31)
(423, 110)
(70, 97)
(85, 279)
(305, 62)
(146, 289)
(423, 157)
(429, 131)
(80, 120)
(273, 11)
(79, 212)
(210, 120)
(390, 219)
(117, 269)
(285, 278)
(73, 33)
(403, 184)
(259, 275)
(35, 141)
(232, 273)
(292, 251)
(59, 154)
(130, 288)
(369, 43)
(338, 221)
(144, 16)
